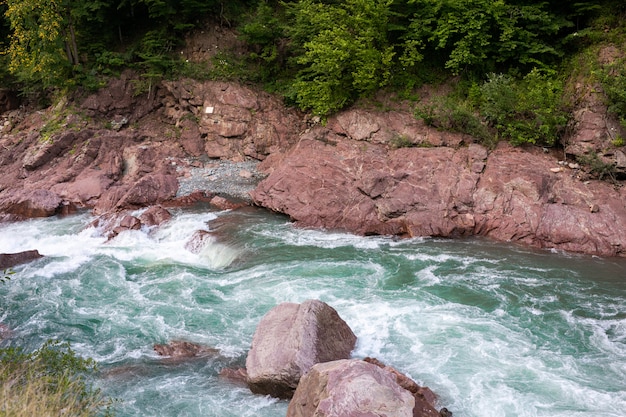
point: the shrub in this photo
(455, 114)
(525, 111)
(613, 79)
(51, 381)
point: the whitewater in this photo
(493, 329)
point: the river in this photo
(494, 329)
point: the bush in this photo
(456, 115)
(525, 111)
(613, 79)
(51, 381)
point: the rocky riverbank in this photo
(112, 152)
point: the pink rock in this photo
(289, 340)
(509, 194)
(351, 388)
(36, 203)
(155, 216)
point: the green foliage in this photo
(526, 111)
(344, 52)
(401, 141)
(263, 31)
(613, 79)
(483, 34)
(598, 167)
(37, 43)
(6, 275)
(455, 114)
(49, 381)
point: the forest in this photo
(510, 58)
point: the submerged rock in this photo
(180, 349)
(289, 340)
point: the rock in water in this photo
(351, 388)
(289, 340)
(8, 260)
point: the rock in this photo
(351, 388)
(155, 216)
(150, 189)
(509, 195)
(178, 349)
(223, 203)
(289, 340)
(198, 241)
(31, 204)
(9, 260)
(237, 376)
(5, 331)
(408, 191)
(425, 399)
(234, 120)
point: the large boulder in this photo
(34, 203)
(289, 340)
(352, 387)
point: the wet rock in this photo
(9, 260)
(31, 204)
(351, 388)
(198, 241)
(179, 349)
(155, 216)
(237, 376)
(289, 340)
(223, 203)
(425, 399)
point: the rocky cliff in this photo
(114, 150)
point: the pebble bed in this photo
(221, 177)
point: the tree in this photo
(43, 47)
(485, 35)
(342, 51)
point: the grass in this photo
(52, 381)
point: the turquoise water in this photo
(494, 330)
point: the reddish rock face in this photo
(289, 340)
(511, 194)
(351, 388)
(36, 203)
(232, 121)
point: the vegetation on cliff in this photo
(511, 58)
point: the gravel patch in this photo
(221, 177)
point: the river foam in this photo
(495, 330)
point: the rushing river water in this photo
(494, 330)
